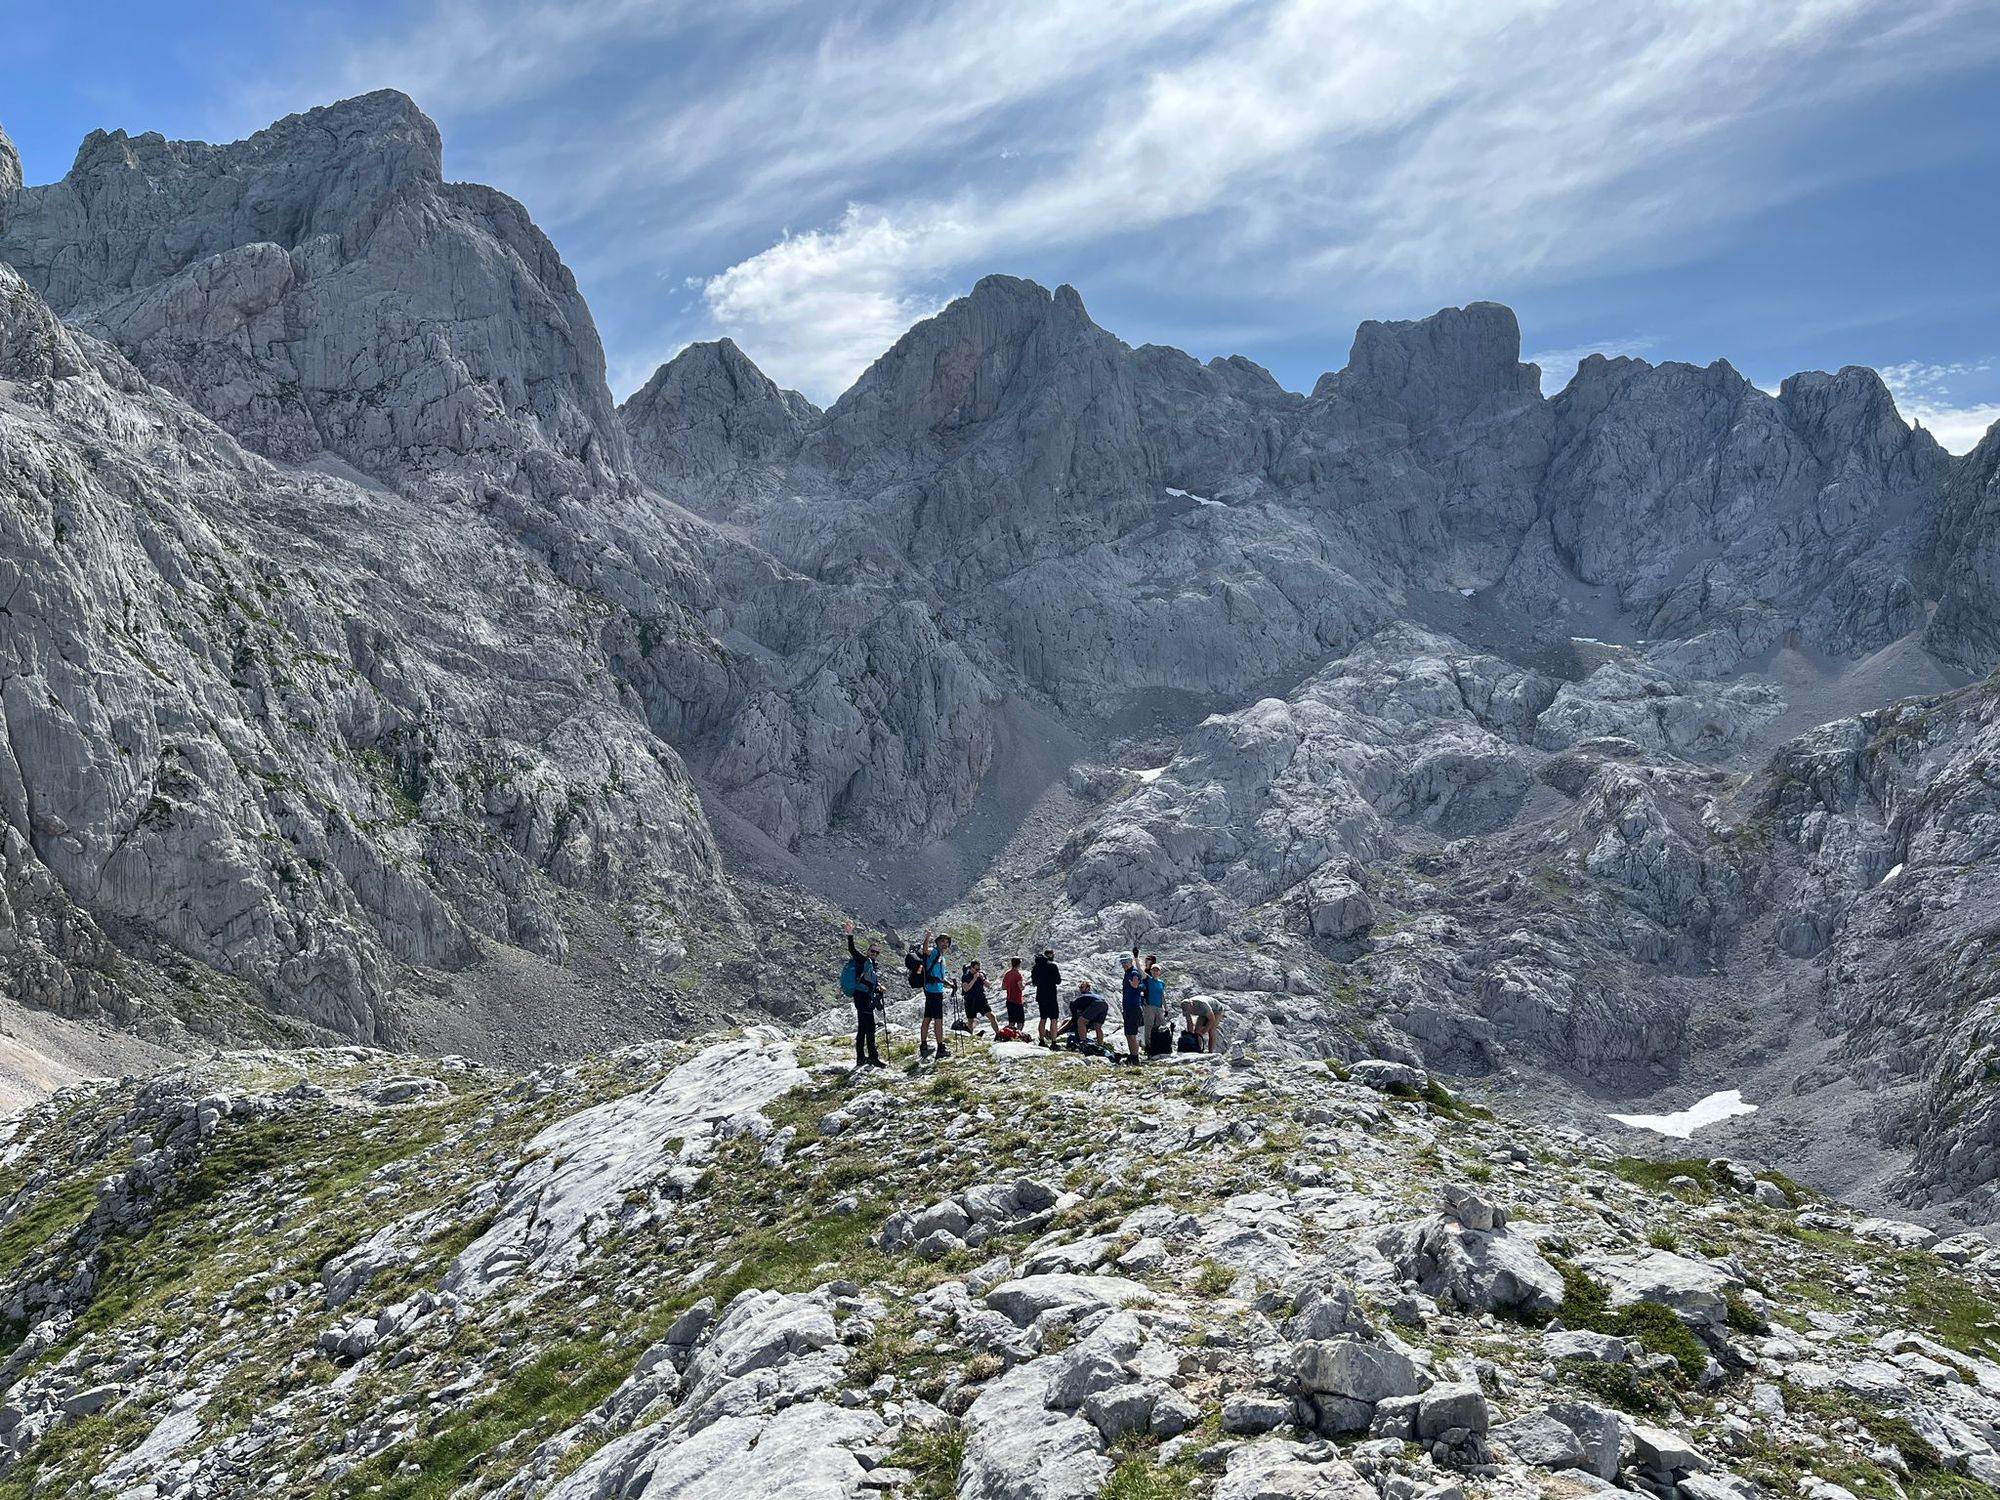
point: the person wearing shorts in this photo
(1087, 1012)
(1013, 984)
(972, 990)
(1203, 1015)
(1132, 1003)
(936, 976)
(1047, 980)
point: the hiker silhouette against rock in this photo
(1047, 980)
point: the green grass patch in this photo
(1645, 1172)
(1143, 1477)
(932, 1455)
(1586, 1305)
(1213, 1279)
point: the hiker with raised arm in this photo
(936, 976)
(861, 981)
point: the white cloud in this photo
(1559, 365)
(1425, 150)
(824, 174)
(1924, 394)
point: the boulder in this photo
(1026, 1298)
(1388, 1077)
(1695, 1289)
(1016, 1448)
(1482, 1271)
(1543, 1441)
(1459, 1407)
(1360, 1372)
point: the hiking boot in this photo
(924, 1054)
(941, 1052)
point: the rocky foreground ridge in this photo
(736, 1267)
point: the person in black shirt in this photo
(972, 990)
(1047, 980)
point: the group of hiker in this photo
(1142, 1004)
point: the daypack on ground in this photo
(1159, 1041)
(1189, 1042)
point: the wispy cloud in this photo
(1925, 393)
(826, 174)
(1431, 148)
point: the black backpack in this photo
(1159, 1041)
(913, 965)
(1189, 1042)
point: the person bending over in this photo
(1203, 1015)
(1087, 1014)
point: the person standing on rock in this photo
(1013, 985)
(1132, 1006)
(1047, 980)
(1153, 1004)
(936, 973)
(867, 997)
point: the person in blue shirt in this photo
(1132, 997)
(936, 972)
(867, 1000)
(1153, 1002)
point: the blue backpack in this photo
(848, 979)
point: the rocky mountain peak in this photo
(1849, 410)
(710, 411)
(955, 370)
(301, 285)
(10, 165)
(1455, 361)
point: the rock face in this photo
(283, 771)
(320, 288)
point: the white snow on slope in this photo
(1682, 1125)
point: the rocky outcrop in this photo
(319, 288)
(269, 736)
(708, 421)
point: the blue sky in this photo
(1790, 184)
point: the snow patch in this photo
(1685, 1123)
(1198, 499)
(1149, 777)
(1898, 870)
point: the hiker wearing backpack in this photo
(1047, 980)
(936, 976)
(861, 982)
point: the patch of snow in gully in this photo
(1682, 1125)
